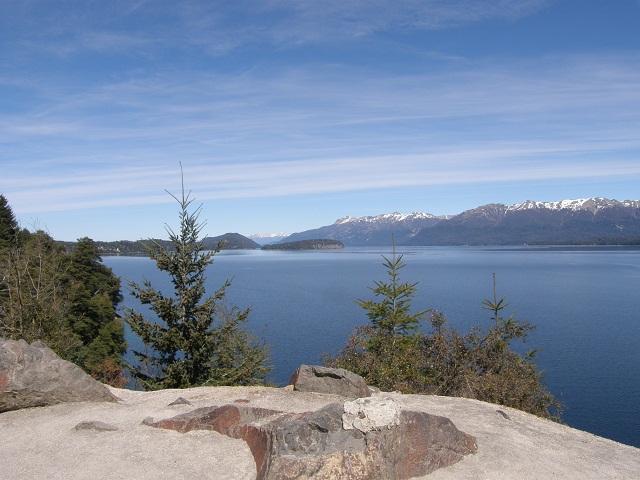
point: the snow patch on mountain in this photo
(591, 204)
(253, 236)
(387, 217)
(267, 238)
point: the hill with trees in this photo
(230, 241)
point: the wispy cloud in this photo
(301, 105)
(143, 185)
(220, 26)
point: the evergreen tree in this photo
(198, 341)
(391, 314)
(384, 352)
(8, 225)
(93, 317)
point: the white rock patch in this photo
(373, 413)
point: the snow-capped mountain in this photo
(589, 220)
(267, 238)
(387, 218)
(376, 230)
(590, 204)
(566, 221)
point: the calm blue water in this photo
(584, 303)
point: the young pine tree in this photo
(384, 352)
(391, 314)
(198, 341)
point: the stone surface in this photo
(34, 376)
(428, 442)
(336, 381)
(96, 425)
(41, 443)
(315, 444)
(367, 414)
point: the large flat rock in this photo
(113, 443)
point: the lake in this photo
(585, 303)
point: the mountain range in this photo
(590, 221)
(583, 221)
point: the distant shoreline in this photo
(317, 244)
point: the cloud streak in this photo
(144, 186)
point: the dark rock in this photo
(180, 401)
(95, 425)
(504, 415)
(337, 381)
(315, 444)
(34, 376)
(428, 442)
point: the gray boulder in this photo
(336, 381)
(34, 376)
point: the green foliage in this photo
(384, 351)
(37, 295)
(8, 224)
(392, 354)
(92, 315)
(66, 300)
(482, 365)
(391, 314)
(199, 341)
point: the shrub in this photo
(393, 354)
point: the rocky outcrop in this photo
(336, 381)
(386, 443)
(43, 443)
(34, 376)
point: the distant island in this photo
(315, 244)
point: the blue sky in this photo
(288, 114)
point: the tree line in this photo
(68, 300)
